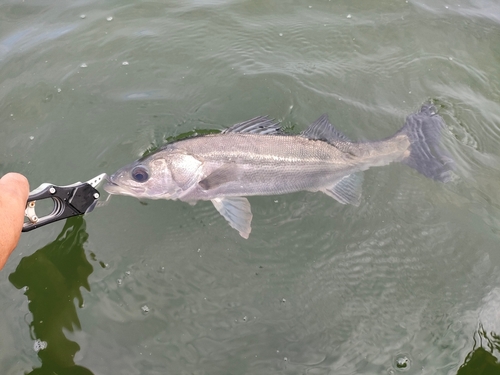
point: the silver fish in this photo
(255, 158)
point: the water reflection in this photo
(481, 360)
(25, 39)
(52, 277)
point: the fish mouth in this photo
(111, 187)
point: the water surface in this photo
(406, 282)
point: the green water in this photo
(406, 282)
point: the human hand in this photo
(14, 191)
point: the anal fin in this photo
(347, 190)
(237, 212)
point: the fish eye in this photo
(140, 174)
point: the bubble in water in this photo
(125, 63)
(109, 18)
(145, 309)
(349, 16)
(59, 90)
(83, 65)
(82, 16)
(403, 363)
(280, 34)
(39, 345)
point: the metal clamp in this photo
(72, 200)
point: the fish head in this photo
(145, 178)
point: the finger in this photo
(14, 191)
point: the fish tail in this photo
(423, 129)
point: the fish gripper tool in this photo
(71, 200)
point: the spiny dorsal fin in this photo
(257, 125)
(322, 130)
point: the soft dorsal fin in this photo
(257, 125)
(321, 129)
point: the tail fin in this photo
(424, 128)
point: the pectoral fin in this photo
(224, 174)
(347, 190)
(237, 211)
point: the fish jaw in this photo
(113, 186)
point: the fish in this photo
(256, 157)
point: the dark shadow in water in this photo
(481, 361)
(53, 277)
